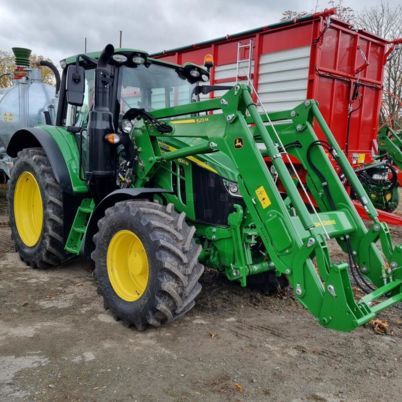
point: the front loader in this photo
(153, 184)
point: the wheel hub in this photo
(127, 265)
(28, 209)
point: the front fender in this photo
(107, 202)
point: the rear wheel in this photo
(35, 207)
(146, 263)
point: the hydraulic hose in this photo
(353, 266)
(55, 71)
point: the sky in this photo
(56, 29)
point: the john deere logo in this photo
(238, 143)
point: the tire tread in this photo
(177, 256)
(50, 250)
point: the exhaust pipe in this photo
(101, 154)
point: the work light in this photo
(138, 59)
(119, 58)
(194, 73)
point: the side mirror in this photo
(75, 85)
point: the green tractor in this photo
(390, 145)
(380, 179)
(154, 184)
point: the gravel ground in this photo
(57, 343)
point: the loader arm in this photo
(295, 237)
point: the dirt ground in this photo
(58, 343)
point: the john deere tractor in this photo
(152, 184)
(380, 178)
(390, 145)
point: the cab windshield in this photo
(152, 87)
(149, 88)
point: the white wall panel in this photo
(283, 78)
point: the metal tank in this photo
(27, 103)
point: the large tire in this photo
(35, 208)
(167, 256)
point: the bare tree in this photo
(386, 21)
(293, 15)
(7, 65)
(344, 13)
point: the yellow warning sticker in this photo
(328, 222)
(263, 197)
(190, 121)
(361, 159)
(186, 121)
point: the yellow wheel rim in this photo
(28, 209)
(127, 265)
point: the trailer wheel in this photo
(35, 208)
(146, 263)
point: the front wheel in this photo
(35, 208)
(146, 263)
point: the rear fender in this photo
(62, 151)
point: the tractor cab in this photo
(136, 81)
(99, 92)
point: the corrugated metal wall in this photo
(230, 70)
(283, 78)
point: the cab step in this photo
(78, 230)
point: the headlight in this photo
(204, 77)
(126, 126)
(232, 188)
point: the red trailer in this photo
(314, 57)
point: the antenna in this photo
(121, 38)
(85, 45)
